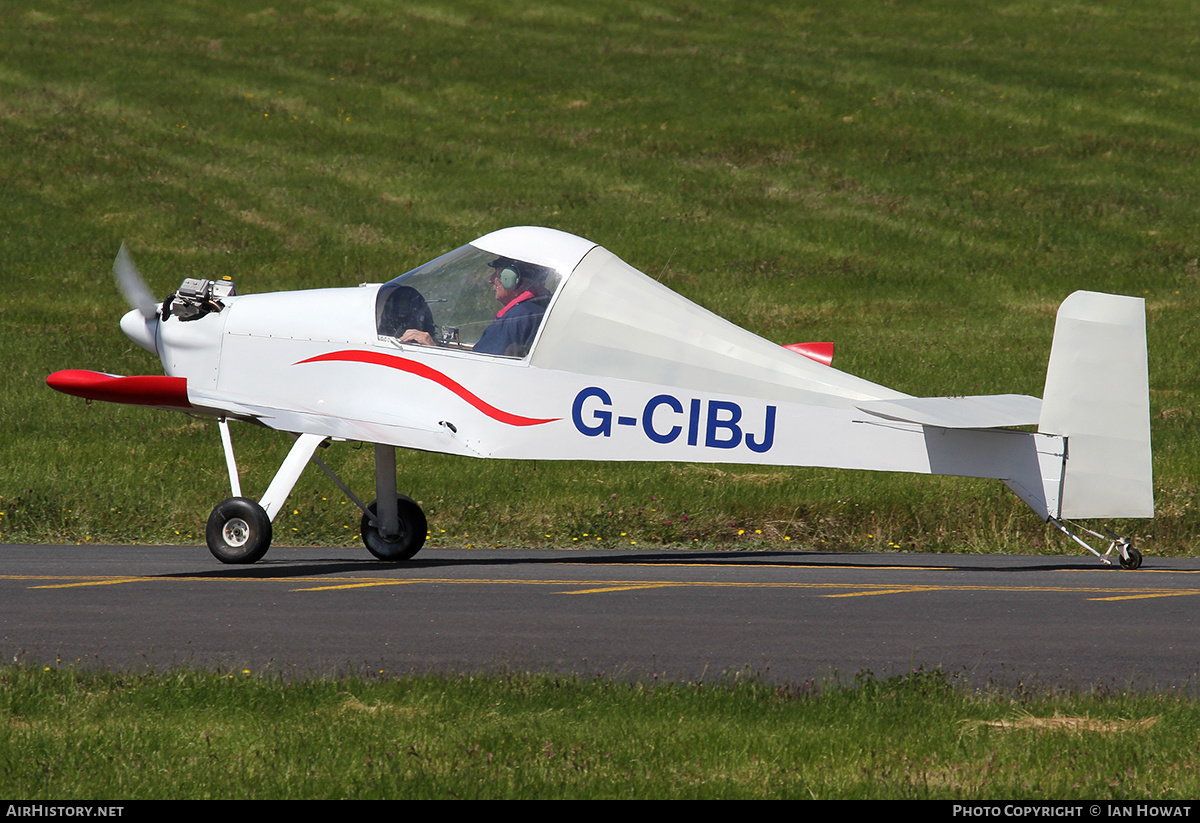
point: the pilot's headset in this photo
(508, 273)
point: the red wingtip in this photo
(137, 390)
(821, 352)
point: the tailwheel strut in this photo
(1128, 557)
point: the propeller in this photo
(141, 324)
(134, 289)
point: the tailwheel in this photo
(239, 531)
(1131, 558)
(409, 536)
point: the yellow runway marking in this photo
(111, 582)
(627, 588)
(371, 584)
(1145, 596)
(813, 567)
(904, 590)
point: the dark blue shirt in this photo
(514, 328)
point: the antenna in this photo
(664, 268)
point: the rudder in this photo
(1097, 395)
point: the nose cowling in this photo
(141, 329)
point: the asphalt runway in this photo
(786, 617)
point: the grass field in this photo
(920, 182)
(232, 735)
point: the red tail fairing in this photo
(821, 352)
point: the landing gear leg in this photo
(239, 529)
(393, 526)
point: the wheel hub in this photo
(236, 532)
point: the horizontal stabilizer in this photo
(979, 412)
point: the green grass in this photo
(69, 734)
(920, 182)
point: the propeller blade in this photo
(137, 294)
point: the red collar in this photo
(525, 295)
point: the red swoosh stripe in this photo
(421, 370)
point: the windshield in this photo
(468, 299)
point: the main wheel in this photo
(238, 531)
(407, 542)
(1134, 561)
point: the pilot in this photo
(521, 290)
(520, 287)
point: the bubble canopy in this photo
(487, 297)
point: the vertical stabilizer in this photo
(1098, 396)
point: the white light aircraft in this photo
(589, 359)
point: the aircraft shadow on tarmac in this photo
(285, 568)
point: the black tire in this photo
(413, 528)
(1134, 561)
(238, 531)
